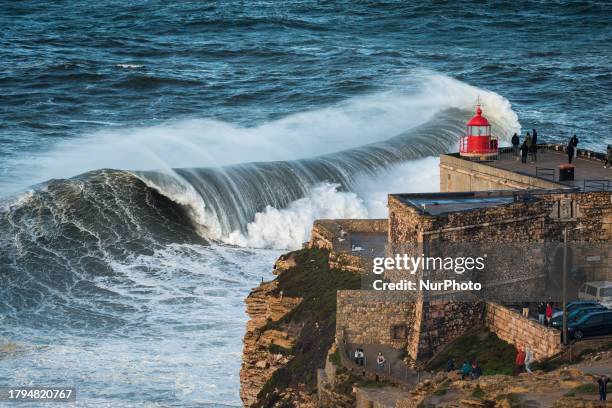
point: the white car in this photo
(600, 291)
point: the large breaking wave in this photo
(156, 262)
(80, 223)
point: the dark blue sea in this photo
(156, 157)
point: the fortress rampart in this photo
(521, 210)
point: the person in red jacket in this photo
(520, 360)
(549, 313)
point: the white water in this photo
(289, 227)
(412, 101)
(186, 332)
(181, 342)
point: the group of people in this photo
(545, 313)
(359, 358)
(468, 370)
(524, 358)
(529, 146)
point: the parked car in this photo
(557, 322)
(579, 304)
(593, 324)
(600, 291)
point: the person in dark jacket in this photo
(450, 365)
(476, 370)
(524, 152)
(515, 145)
(574, 142)
(541, 313)
(603, 387)
(466, 370)
(608, 157)
(534, 145)
(570, 152)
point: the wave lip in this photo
(414, 100)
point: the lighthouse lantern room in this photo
(478, 143)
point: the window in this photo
(479, 130)
(399, 332)
(591, 290)
(594, 320)
(605, 292)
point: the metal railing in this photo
(545, 172)
(395, 371)
(597, 185)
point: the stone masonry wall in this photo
(533, 220)
(332, 234)
(443, 322)
(457, 174)
(513, 328)
(367, 317)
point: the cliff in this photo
(291, 328)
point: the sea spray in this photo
(414, 100)
(290, 227)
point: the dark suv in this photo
(577, 314)
(593, 324)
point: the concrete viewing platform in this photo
(589, 173)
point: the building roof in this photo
(442, 203)
(478, 119)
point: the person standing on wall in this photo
(541, 312)
(515, 145)
(549, 313)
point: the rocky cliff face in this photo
(263, 346)
(291, 328)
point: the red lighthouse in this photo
(478, 144)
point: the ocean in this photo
(156, 159)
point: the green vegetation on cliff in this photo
(494, 356)
(314, 318)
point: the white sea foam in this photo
(289, 227)
(129, 66)
(204, 142)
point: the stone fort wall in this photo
(370, 317)
(513, 328)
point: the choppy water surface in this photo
(229, 128)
